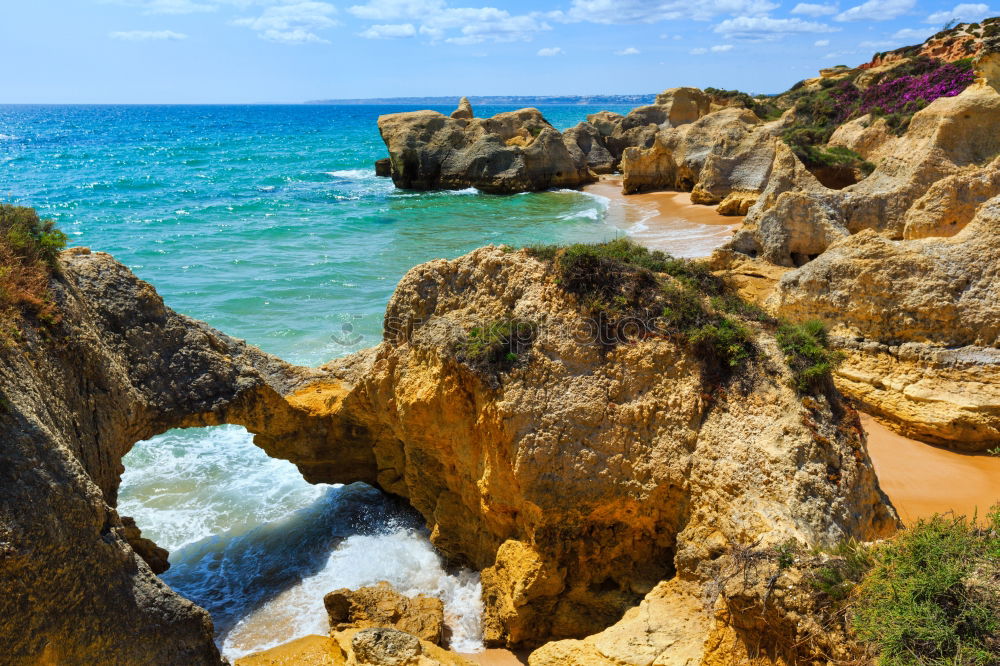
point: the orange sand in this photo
(497, 658)
(922, 480)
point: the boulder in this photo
(381, 606)
(586, 145)
(516, 151)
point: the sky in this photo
(291, 51)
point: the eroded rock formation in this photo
(934, 179)
(517, 151)
(577, 481)
(589, 476)
(118, 368)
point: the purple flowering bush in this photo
(896, 96)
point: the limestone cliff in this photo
(118, 368)
(577, 479)
(583, 477)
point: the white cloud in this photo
(477, 25)
(698, 51)
(148, 36)
(765, 28)
(293, 23)
(551, 51)
(167, 6)
(964, 12)
(627, 52)
(645, 11)
(878, 45)
(390, 10)
(721, 48)
(913, 35)
(877, 10)
(389, 31)
(821, 42)
(814, 10)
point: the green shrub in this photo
(725, 344)
(498, 346)
(29, 248)
(933, 595)
(807, 352)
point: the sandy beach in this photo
(922, 480)
(665, 220)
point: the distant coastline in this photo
(522, 100)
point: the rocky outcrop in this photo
(913, 303)
(117, 368)
(762, 608)
(589, 475)
(576, 480)
(587, 146)
(382, 606)
(464, 110)
(517, 151)
(930, 184)
(724, 155)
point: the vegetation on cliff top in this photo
(632, 292)
(496, 347)
(932, 595)
(29, 247)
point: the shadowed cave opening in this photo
(258, 547)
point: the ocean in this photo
(269, 223)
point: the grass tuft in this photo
(497, 347)
(809, 357)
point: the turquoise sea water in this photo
(268, 223)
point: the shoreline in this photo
(665, 221)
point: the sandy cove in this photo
(919, 478)
(665, 220)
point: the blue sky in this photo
(234, 51)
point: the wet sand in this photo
(922, 480)
(665, 220)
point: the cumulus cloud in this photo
(627, 52)
(645, 11)
(877, 10)
(389, 31)
(821, 42)
(389, 10)
(721, 48)
(814, 10)
(551, 51)
(147, 36)
(765, 28)
(964, 12)
(913, 34)
(698, 51)
(293, 23)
